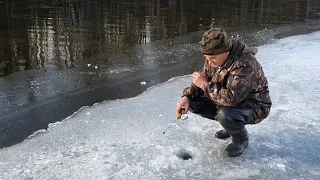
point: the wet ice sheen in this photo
(123, 139)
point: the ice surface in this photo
(123, 139)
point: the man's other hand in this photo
(199, 79)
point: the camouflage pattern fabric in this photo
(215, 41)
(240, 80)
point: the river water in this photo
(56, 34)
(59, 55)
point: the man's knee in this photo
(233, 117)
(203, 107)
(202, 104)
(223, 116)
(195, 106)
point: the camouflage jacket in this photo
(240, 80)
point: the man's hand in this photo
(183, 102)
(199, 79)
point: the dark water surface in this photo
(56, 34)
(60, 55)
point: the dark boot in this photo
(239, 143)
(233, 120)
(222, 134)
(235, 149)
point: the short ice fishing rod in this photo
(182, 115)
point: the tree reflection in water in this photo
(56, 34)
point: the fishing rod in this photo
(182, 115)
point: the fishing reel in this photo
(182, 115)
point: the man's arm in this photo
(192, 90)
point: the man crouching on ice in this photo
(231, 89)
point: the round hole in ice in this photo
(184, 154)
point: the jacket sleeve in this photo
(238, 86)
(192, 91)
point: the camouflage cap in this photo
(215, 41)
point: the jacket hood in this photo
(238, 48)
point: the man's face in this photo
(217, 60)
